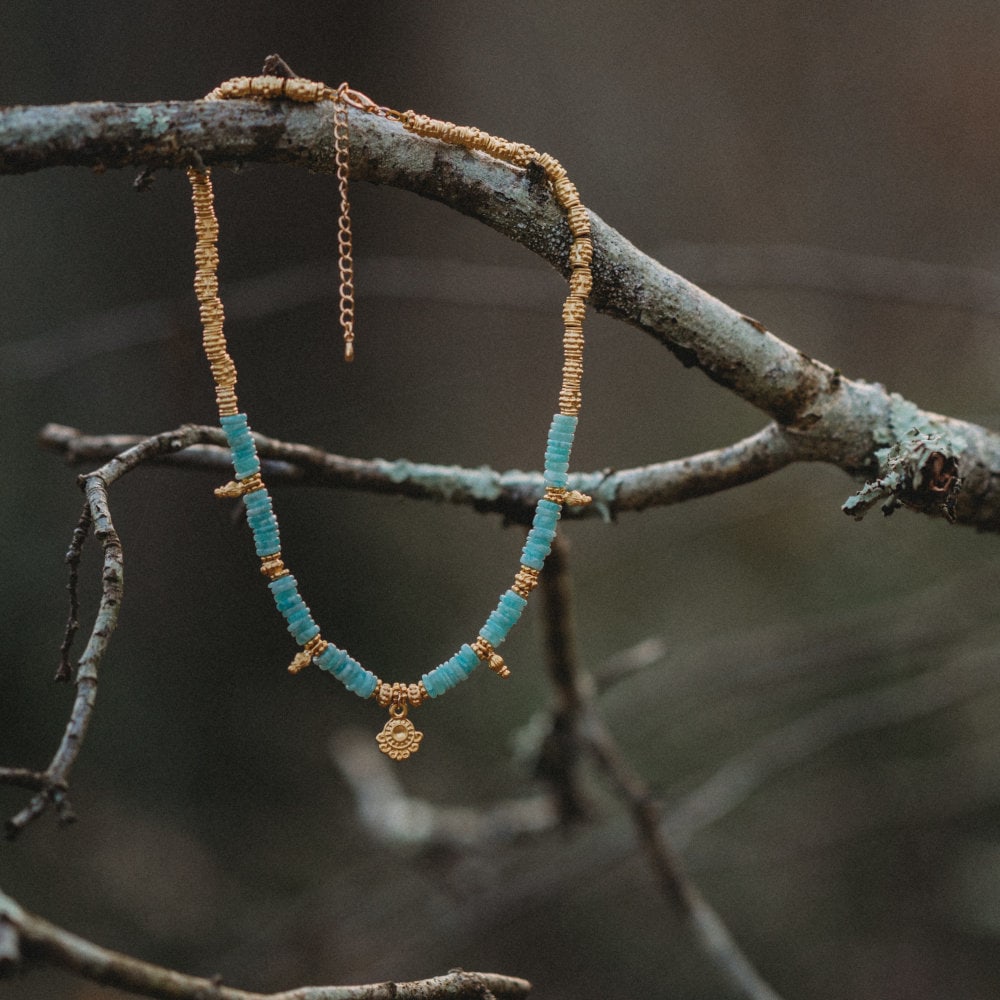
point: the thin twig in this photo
(22, 777)
(576, 703)
(832, 418)
(393, 817)
(514, 494)
(559, 756)
(112, 575)
(64, 671)
(42, 942)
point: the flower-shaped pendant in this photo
(399, 738)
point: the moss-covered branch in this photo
(821, 415)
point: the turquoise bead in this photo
(564, 422)
(297, 613)
(432, 684)
(467, 659)
(366, 685)
(541, 534)
(512, 599)
(545, 519)
(493, 633)
(557, 479)
(449, 675)
(533, 559)
(257, 500)
(305, 632)
(330, 658)
(267, 546)
(246, 467)
(233, 420)
(285, 602)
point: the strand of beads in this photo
(398, 738)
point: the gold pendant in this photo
(398, 738)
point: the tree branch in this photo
(52, 783)
(577, 726)
(39, 941)
(513, 494)
(830, 418)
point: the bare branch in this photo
(39, 941)
(578, 726)
(831, 418)
(394, 817)
(56, 775)
(513, 494)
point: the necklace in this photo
(398, 738)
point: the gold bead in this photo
(554, 170)
(579, 220)
(574, 309)
(301, 661)
(566, 192)
(527, 577)
(581, 253)
(272, 567)
(482, 648)
(498, 667)
(304, 91)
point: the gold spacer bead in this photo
(268, 86)
(416, 693)
(566, 192)
(554, 170)
(304, 91)
(579, 220)
(240, 487)
(581, 253)
(482, 648)
(301, 661)
(527, 577)
(498, 667)
(315, 645)
(573, 311)
(272, 567)
(304, 657)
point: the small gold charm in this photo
(398, 738)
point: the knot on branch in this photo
(919, 472)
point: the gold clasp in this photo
(364, 103)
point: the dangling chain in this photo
(398, 738)
(344, 244)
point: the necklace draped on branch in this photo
(399, 739)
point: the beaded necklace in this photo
(398, 738)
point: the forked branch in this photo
(822, 415)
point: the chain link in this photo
(345, 247)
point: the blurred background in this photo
(827, 169)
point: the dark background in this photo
(795, 159)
